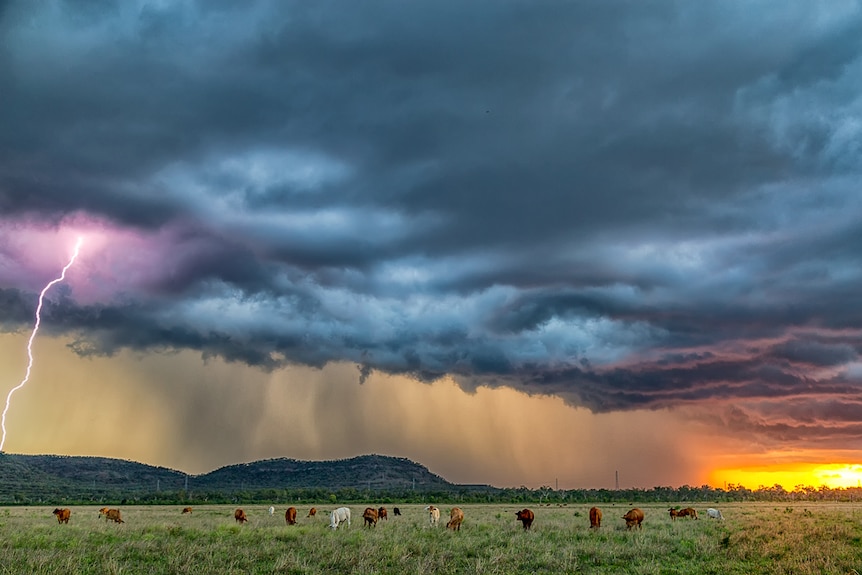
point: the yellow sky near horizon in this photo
(178, 411)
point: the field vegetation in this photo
(822, 538)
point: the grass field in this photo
(754, 538)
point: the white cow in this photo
(271, 511)
(714, 514)
(433, 515)
(338, 517)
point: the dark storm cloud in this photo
(624, 204)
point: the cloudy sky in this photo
(517, 241)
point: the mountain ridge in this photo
(24, 477)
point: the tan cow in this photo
(63, 515)
(456, 517)
(634, 518)
(370, 517)
(312, 512)
(186, 510)
(290, 516)
(595, 517)
(239, 516)
(525, 516)
(382, 514)
(111, 514)
(433, 515)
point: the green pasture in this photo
(754, 538)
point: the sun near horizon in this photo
(790, 475)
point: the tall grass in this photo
(755, 538)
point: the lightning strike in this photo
(33, 336)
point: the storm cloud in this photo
(625, 204)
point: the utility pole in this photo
(617, 479)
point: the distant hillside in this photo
(374, 472)
(52, 477)
(35, 477)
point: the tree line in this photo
(147, 495)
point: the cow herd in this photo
(338, 517)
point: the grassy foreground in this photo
(754, 538)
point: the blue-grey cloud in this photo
(625, 204)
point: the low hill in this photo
(35, 478)
(374, 472)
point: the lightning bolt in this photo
(33, 336)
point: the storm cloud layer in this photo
(624, 204)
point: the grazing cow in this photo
(290, 516)
(634, 518)
(63, 515)
(370, 517)
(338, 517)
(382, 514)
(595, 517)
(112, 514)
(239, 516)
(713, 513)
(433, 515)
(271, 510)
(186, 510)
(312, 512)
(525, 516)
(687, 512)
(396, 511)
(456, 516)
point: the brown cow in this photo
(240, 517)
(595, 517)
(525, 516)
(186, 510)
(63, 515)
(396, 512)
(687, 512)
(112, 514)
(634, 518)
(382, 514)
(370, 516)
(673, 513)
(456, 516)
(290, 516)
(312, 512)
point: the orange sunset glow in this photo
(832, 475)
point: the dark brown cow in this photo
(370, 516)
(634, 518)
(525, 516)
(312, 512)
(396, 512)
(111, 514)
(673, 513)
(290, 516)
(595, 517)
(63, 515)
(186, 510)
(382, 514)
(456, 517)
(239, 516)
(687, 512)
